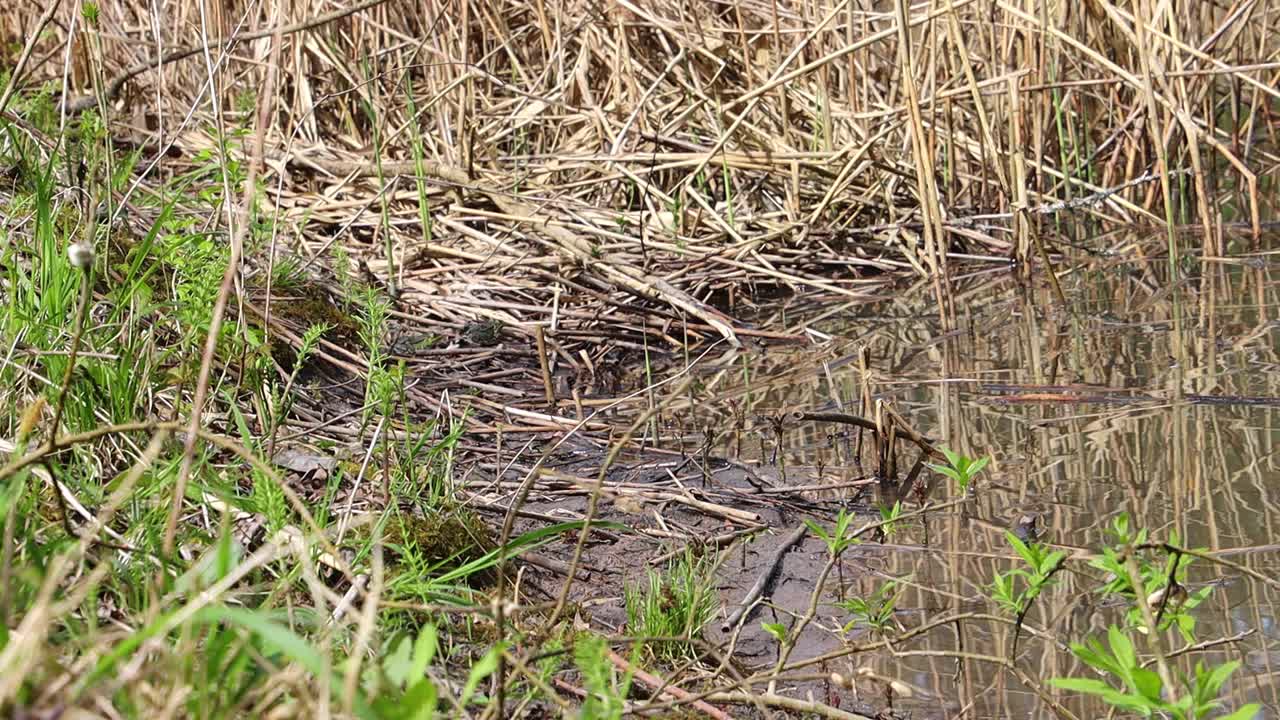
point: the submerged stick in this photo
(907, 431)
(749, 600)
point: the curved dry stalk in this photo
(1029, 682)
(1212, 558)
(809, 707)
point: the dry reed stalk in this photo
(599, 179)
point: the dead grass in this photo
(554, 193)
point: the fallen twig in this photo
(666, 690)
(762, 582)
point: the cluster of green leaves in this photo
(1016, 589)
(404, 688)
(1166, 577)
(607, 689)
(385, 383)
(889, 517)
(838, 539)
(876, 610)
(960, 468)
(423, 470)
(1142, 690)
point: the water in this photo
(1151, 398)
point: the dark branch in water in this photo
(749, 600)
(903, 428)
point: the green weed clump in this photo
(104, 319)
(674, 606)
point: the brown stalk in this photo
(239, 230)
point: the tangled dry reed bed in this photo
(579, 165)
(554, 194)
(620, 173)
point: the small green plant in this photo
(889, 519)
(1017, 589)
(675, 206)
(839, 538)
(961, 468)
(407, 692)
(443, 558)
(269, 500)
(1143, 689)
(875, 611)
(676, 604)
(606, 691)
(345, 275)
(422, 472)
(1015, 596)
(198, 263)
(1163, 584)
(777, 630)
(779, 633)
(412, 694)
(282, 399)
(384, 382)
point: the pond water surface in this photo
(1143, 397)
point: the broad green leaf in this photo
(1052, 562)
(1021, 548)
(1084, 685)
(818, 530)
(1122, 648)
(946, 471)
(1109, 694)
(1147, 684)
(1213, 681)
(1093, 655)
(1248, 712)
(424, 651)
(396, 663)
(483, 668)
(280, 637)
(952, 456)
(420, 701)
(1186, 626)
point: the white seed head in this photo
(80, 254)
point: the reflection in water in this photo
(1144, 398)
